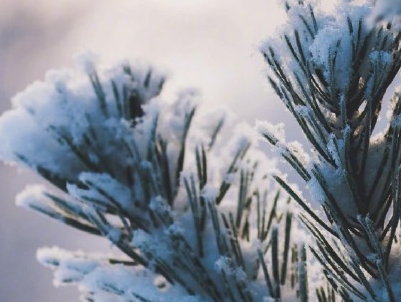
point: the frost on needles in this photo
(332, 73)
(193, 213)
(186, 199)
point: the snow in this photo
(109, 186)
(386, 11)
(275, 130)
(316, 191)
(109, 160)
(102, 281)
(87, 61)
(209, 193)
(330, 46)
(298, 150)
(31, 196)
(224, 264)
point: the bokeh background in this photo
(210, 45)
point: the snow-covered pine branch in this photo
(332, 72)
(194, 214)
(386, 11)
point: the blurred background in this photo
(210, 45)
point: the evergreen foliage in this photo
(332, 73)
(195, 217)
(192, 215)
